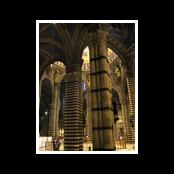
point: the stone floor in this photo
(87, 146)
(129, 147)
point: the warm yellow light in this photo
(109, 51)
(85, 55)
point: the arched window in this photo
(85, 58)
(111, 55)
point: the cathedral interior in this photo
(86, 87)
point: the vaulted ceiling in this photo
(64, 42)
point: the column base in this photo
(104, 149)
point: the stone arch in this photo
(113, 43)
(116, 45)
(48, 59)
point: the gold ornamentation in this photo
(56, 76)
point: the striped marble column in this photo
(127, 127)
(89, 126)
(101, 95)
(126, 107)
(131, 94)
(73, 117)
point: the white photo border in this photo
(37, 86)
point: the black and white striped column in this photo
(131, 94)
(128, 107)
(73, 117)
(89, 123)
(101, 94)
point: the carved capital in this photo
(56, 76)
(75, 76)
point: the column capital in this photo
(75, 67)
(75, 76)
(56, 76)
